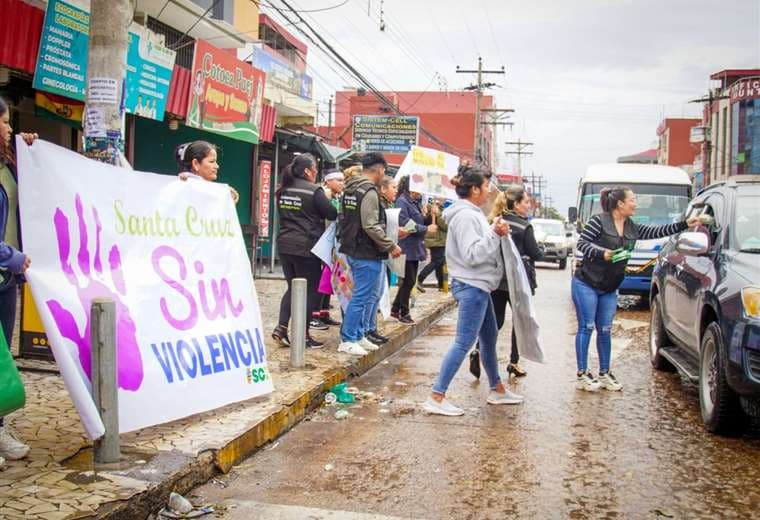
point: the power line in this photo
(359, 76)
(267, 4)
(201, 17)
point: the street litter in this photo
(180, 507)
(331, 398)
(342, 414)
(329, 467)
(341, 394)
(399, 383)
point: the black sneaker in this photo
(317, 324)
(420, 288)
(395, 315)
(376, 338)
(327, 320)
(313, 343)
(406, 320)
(280, 335)
(475, 363)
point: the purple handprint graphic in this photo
(90, 285)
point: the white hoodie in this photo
(473, 253)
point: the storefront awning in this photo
(20, 35)
(313, 144)
(179, 92)
(268, 121)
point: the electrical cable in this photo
(201, 17)
(267, 4)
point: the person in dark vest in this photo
(302, 208)
(595, 284)
(513, 205)
(364, 241)
(413, 246)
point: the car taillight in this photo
(751, 302)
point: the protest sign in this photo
(171, 255)
(430, 172)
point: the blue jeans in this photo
(365, 274)
(370, 319)
(594, 309)
(476, 321)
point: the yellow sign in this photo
(34, 342)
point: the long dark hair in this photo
(6, 152)
(403, 186)
(468, 177)
(295, 170)
(185, 153)
(609, 197)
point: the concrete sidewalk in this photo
(57, 481)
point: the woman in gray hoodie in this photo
(476, 267)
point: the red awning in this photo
(268, 121)
(20, 35)
(179, 92)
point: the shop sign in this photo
(282, 74)
(748, 88)
(225, 95)
(171, 255)
(62, 63)
(62, 59)
(387, 134)
(265, 188)
(149, 74)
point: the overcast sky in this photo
(590, 80)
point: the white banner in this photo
(171, 255)
(430, 172)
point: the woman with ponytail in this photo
(198, 160)
(606, 243)
(476, 267)
(302, 207)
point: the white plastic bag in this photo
(523, 314)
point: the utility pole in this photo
(106, 70)
(479, 89)
(329, 120)
(519, 151)
(537, 183)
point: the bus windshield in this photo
(657, 203)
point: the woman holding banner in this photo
(198, 160)
(12, 261)
(476, 267)
(412, 246)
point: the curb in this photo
(190, 472)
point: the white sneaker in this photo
(367, 345)
(506, 398)
(353, 348)
(587, 382)
(442, 408)
(11, 448)
(609, 382)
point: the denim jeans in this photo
(594, 309)
(370, 319)
(476, 321)
(365, 274)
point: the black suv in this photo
(705, 303)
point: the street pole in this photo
(275, 213)
(298, 317)
(478, 88)
(106, 70)
(105, 393)
(329, 120)
(519, 151)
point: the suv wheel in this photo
(721, 411)
(563, 263)
(658, 337)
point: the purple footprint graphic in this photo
(92, 284)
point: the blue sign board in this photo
(149, 74)
(387, 134)
(62, 60)
(282, 74)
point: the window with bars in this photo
(184, 46)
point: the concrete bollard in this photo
(105, 390)
(298, 319)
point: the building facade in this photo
(675, 147)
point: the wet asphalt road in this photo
(640, 453)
